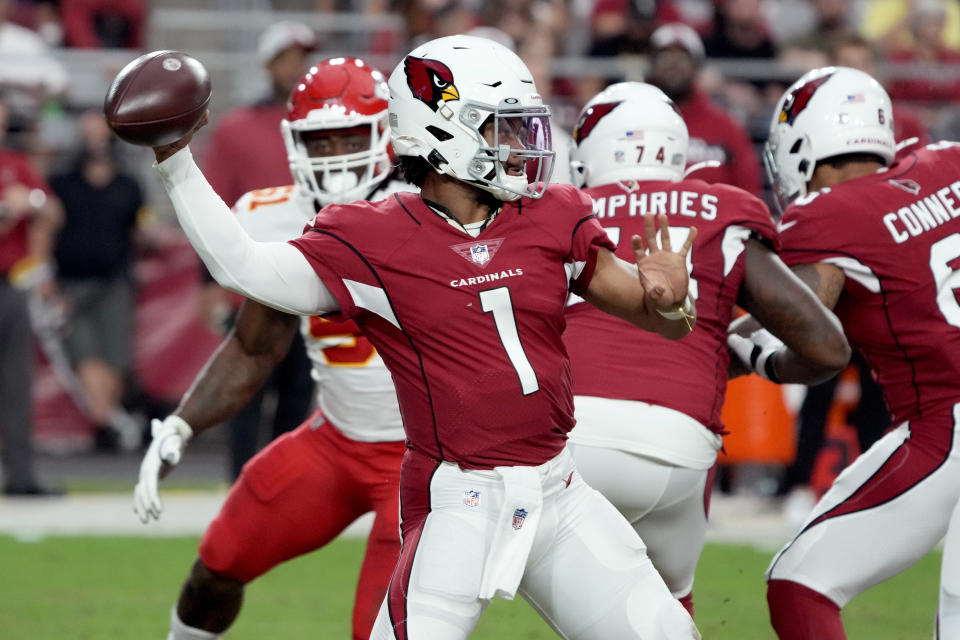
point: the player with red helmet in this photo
(878, 240)
(462, 289)
(308, 485)
(648, 409)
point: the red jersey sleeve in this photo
(330, 244)
(587, 237)
(750, 212)
(803, 227)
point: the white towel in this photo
(513, 537)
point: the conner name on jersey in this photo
(924, 214)
(487, 277)
(633, 203)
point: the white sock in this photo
(180, 631)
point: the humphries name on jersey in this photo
(635, 202)
(688, 375)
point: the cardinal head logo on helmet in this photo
(430, 81)
(590, 117)
(799, 98)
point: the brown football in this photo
(157, 98)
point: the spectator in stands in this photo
(93, 254)
(43, 17)
(927, 20)
(28, 73)
(29, 218)
(453, 17)
(856, 52)
(888, 23)
(621, 27)
(676, 56)
(740, 31)
(107, 24)
(827, 21)
(246, 152)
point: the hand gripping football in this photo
(158, 98)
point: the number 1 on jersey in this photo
(497, 302)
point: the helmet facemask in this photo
(449, 92)
(515, 155)
(789, 168)
(342, 177)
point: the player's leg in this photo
(593, 579)
(381, 475)
(664, 503)
(16, 376)
(434, 590)
(675, 531)
(882, 514)
(292, 498)
(948, 612)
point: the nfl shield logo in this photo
(618, 156)
(480, 254)
(471, 498)
(518, 517)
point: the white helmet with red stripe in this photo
(630, 131)
(831, 111)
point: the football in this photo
(157, 98)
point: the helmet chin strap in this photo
(517, 183)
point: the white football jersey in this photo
(354, 388)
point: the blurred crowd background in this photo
(121, 314)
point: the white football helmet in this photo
(630, 131)
(445, 91)
(338, 96)
(829, 112)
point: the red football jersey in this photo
(469, 328)
(896, 235)
(610, 357)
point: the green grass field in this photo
(123, 588)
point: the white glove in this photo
(757, 351)
(170, 437)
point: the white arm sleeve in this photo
(273, 273)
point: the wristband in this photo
(680, 312)
(761, 361)
(177, 424)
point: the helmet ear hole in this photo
(803, 166)
(796, 146)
